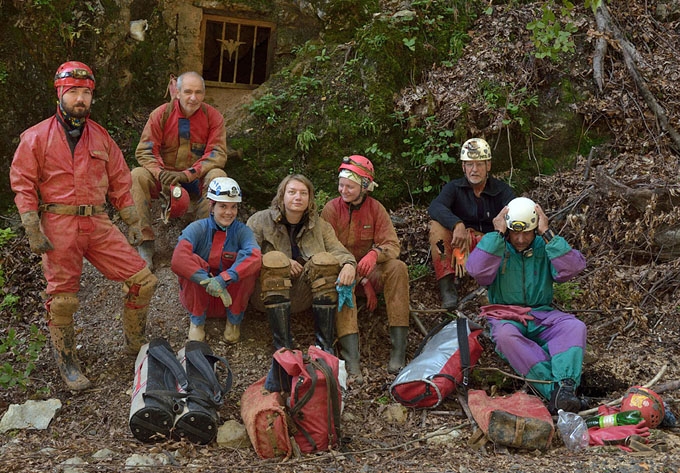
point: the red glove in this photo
(618, 435)
(371, 298)
(367, 263)
(507, 312)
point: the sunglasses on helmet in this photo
(76, 74)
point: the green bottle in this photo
(610, 420)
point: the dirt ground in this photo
(97, 419)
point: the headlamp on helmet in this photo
(521, 216)
(224, 189)
(74, 74)
(361, 167)
(475, 149)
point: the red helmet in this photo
(176, 205)
(358, 165)
(74, 74)
(649, 403)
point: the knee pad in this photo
(322, 271)
(60, 308)
(275, 278)
(139, 288)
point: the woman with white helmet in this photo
(217, 261)
(539, 341)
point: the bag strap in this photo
(333, 403)
(162, 353)
(300, 403)
(431, 334)
(205, 364)
(464, 347)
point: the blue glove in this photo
(345, 296)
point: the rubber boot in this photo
(448, 291)
(134, 326)
(232, 332)
(146, 251)
(64, 349)
(279, 322)
(196, 332)
(349, 351)
(324, 325)
(398, 337)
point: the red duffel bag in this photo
(265, 420)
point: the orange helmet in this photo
(176, 205)
(649, 403)
(74, 74)
(362, 167)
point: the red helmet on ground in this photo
(74, 74)
(362, 167)
(649, 403)
(177, 204)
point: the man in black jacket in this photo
(462, 212)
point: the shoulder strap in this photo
(332, 393)
(167, 358)
(168, 110)
(464, 347)
(202, 362)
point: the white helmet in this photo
(521, 216)
(475, 149)
(224, 189)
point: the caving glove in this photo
(37, 240)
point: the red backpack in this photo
(315, 398)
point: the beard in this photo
(77, 110)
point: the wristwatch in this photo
(548, 235)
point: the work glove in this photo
(367, 263)
(507, 312)
(459, 258)
(371, 298)
(37, 240)
(620, 435)
(345, 296)
(214, 287)
(131, 219)
(171, 178)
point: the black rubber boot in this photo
(398, 337)
(564, 397)
(279, 322)
(324, 323)
(349, 351)
(447, 288)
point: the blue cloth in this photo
(345, 296)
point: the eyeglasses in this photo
(76, 74)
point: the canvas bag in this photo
(441, 365)
(314, 405)
(155, 398)
(519, 420)
(264, 416)
(198, 420)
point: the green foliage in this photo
(304, 140)
(6, 234)
(321, 198)
(383, 400)
(431, 150)
(516, 102)
(22, 354)
(566, 293)
(266, 107)
(552, 37)
(4, 73)
(417, 271)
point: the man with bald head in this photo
(184, 144)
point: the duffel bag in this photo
(314, 404)
(155, 396)
(263, 415)
(441, 364)
(519, 420)
(197, 422)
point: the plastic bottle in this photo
(621, 418)
(573, 430)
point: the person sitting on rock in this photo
(217, 261)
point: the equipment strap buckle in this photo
(85, 210)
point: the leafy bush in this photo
(22, 353)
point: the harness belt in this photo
(79, 210)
